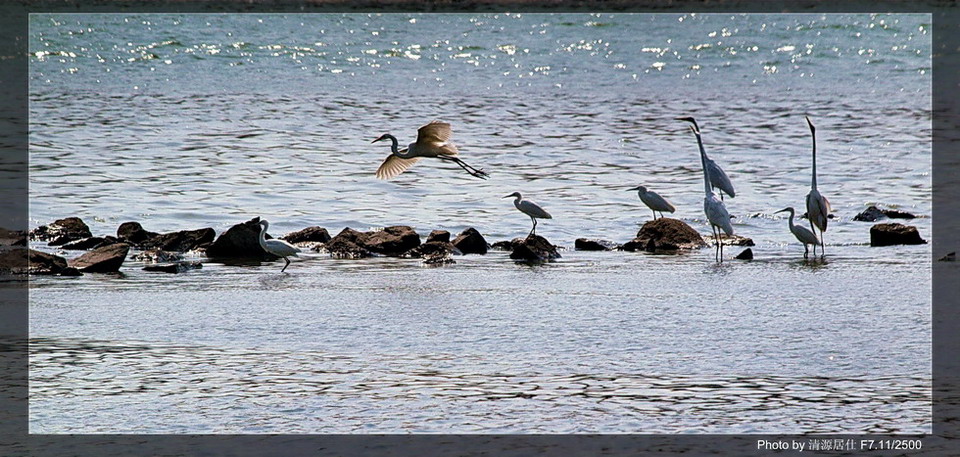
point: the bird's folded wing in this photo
(394, 165)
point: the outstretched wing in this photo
(394, 165)
(435, 137)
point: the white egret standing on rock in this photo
(530, 209)
(713, 207)
(654, 201)
(718, 178)
(433, 140)
(818, 207)
(803, 235)
(278, 248)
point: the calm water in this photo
(190, 121)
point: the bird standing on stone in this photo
(278, 248)
(530, 209)
(433, 140)
(718, 178)
(818, 207)
(654, 201)
(803, 235)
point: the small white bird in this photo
(713, 207)
(718, 178)
(278, 248)
(803, 235)
(654, 201)
(433, 140)
(818, 207)
(530, 209)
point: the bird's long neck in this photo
(262, 239)
(394, 144)
(790, 221)
(516, 202)
(703, 163)
(813, 180)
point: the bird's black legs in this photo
(285, 265)
(533, 231)
(654, 214)
(814, 230)
(473, 171)
(805, 250)
(823, 253)
(716, 238)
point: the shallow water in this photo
(189, 121)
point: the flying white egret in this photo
(278, 248)
(718, 178)
(654, 201)
(818, 207)
(530, 209)
(713, 207)
(433, 140)
(803, 235)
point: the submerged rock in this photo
(242, 240)
(134, 233)
(439, 235)
(182, 241)
(348, 244)
(432, 249)
(21, 261)
(92, 242)
(872, 213)
(392, 241)
(313, 234)
(665, 234)
(61, 231)
(176, 267)
(470, 241)
(730, 240)
(747, 254)
(157, 256)
(534, 248)
(505, 245)
(892, 234)
(583, 244)
(106, 259)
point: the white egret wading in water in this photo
(278, 248)
(718, 178)
(530, 209)
(803, 235)
(713, 207)
(818, 207)
(433, 140)
(654, 201)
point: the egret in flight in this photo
(530, 209)
(433, 140)
(718, 179)
(713, 207)
(278, 248)
(803, 235)
(654, 201)
(818, 207)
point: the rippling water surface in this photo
(190, 121)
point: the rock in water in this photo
(157, 256)
(470, 241)
(665, 234)
(432, 249)
(534, 248)
(348, 244)
(106, 259)
(134, 233)
(872, 213)
(61, 231)
(747, 254)
(313, 234)
(13, 237)
(893, 233)
(505, 245)
(439, 235)
(23, 261)
(583, 244)
(177, 267)
(89, 243)
(241, 240)
(392, 241)
(182, 241)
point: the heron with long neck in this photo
(713, 207)
(801, 233)
(718, 178)
(433, 140)
(530, 209)
(278, 248)
(818, 207)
